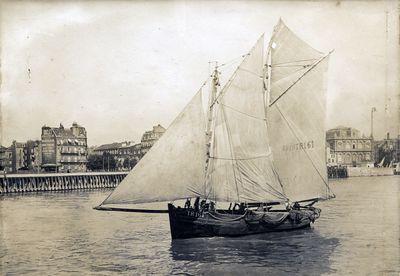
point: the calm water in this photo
(59, 233)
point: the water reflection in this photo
(302, 251)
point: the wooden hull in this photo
(187, 223)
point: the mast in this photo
(210, 114)
(266, 91)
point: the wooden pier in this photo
(22, 183)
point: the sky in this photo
(118, 68)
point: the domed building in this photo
(349, 147)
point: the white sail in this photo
(174, 167)
(296, 115)
(241, 167)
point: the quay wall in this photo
(22, 183)
(365, 171)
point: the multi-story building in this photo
(18, 156)
(120, 151)
(64, 150)
(128, 152)
(33, 155)
(136, 151)
(6, 159)
(349, 147)
(387, 151)
(21, 157)
(150, 137)
(330, 157)
(116, 149)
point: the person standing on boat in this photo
(187, 204)
(196, 204)
(212, 206)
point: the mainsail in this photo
(296, 115)
(174, 167)
(241, 165)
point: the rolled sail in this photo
(241, 165)
(296, 115)
(174, 166)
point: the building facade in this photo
(116, 149)
(18, 156)
(6, 159)
(150, 137)
(64, 150)
(330, 157)
(387, 151)
(349, 147)
(33, 155)
(127, 154)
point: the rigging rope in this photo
(278, 194)
(251, 72)
(300, 60)
(293, 65)
(289, 75)
(299, 140)
(240, 159)
(232, 61)
(305, 73)
(231, 150)
(234, 109)
(229, 82)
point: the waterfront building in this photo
(6, 159)
(387, 150)
(111, 149)
(18, 156)
(330, 157)
(64, 150)
(128, 149)
(21, 157)
(128, 153)
(349, 146)
(120, 151)
(117, 149)
(150, 137)
(33, 155)
(136, 151)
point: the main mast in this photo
(210, 114)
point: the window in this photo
(354, 146)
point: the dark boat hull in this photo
(187, 223)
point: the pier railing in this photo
(21, 183)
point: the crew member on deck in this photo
(187, 204)
(196, 204)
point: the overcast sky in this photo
(118, 68)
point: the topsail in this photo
(296, 115)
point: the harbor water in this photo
(58, 233)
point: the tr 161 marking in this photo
(299, 146)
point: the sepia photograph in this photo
(200, 137)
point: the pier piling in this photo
(22, 183)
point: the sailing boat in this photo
(259, 148)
